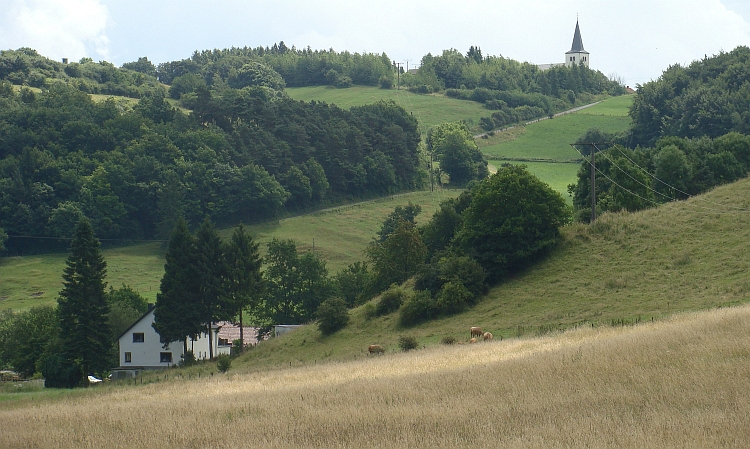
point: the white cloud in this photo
(55, 28)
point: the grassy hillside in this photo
(678, 383)
(339, 234)
(625, 268)
(430, 110)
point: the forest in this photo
(689, 134)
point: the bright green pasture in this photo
(613, 106)
(340, 235)
(557, 175)
(36, 280)
(551, 139)
(430, 110)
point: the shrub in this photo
(223, 363)
(332, 315)
(487, 123)
(449, 340)
(390, 300)
(343, 82)
(453, 297)
(188, 359)
(407, 343)
(386, 82)
(369, 311)
(420, 307)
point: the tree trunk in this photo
(242, 334)
(210, 342)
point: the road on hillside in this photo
(569, 111)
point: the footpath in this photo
(569, 111)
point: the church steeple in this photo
(577, 54)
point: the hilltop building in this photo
(576, 55)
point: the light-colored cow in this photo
(375, 349)
(476, 332)
(487, 336)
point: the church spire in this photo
(577, 46)
(577, 55)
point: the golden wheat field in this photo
(682, 382)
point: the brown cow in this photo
(476, 332)
(487, 336)
(473, 340)
(375, 349)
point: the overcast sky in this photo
(634, 39)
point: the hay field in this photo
(682, 382)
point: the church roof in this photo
(577, 46)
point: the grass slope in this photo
(430, 110)
(678, 383)
(340, 235)
(683, 256)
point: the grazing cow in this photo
(476, 332)
(473, 340)
(375, 349)
(487, 336)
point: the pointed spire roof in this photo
(577, 46)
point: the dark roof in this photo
(150, 308)
(577, 46)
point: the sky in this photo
(634, 40)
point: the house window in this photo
(128, 357)
(138, 337)
(165, 357)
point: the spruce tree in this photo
(176, 315)
(82, 307)
(210, 270)
(243, 283)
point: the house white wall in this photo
(149, 352)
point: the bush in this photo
(223, 363)
(449, 340)
(453, 297)
(420, 307)
(390, 300)
(332, 315)
(343, 82)
(188, 359)
(369, 310)
(386, 82)
(407, 343)
(487, 123)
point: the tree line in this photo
(240, 155)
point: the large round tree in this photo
(513, 218)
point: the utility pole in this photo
(593, 151)
(398, 74)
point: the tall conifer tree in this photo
(82, 305)
(176, 315)
(243, 281)
(210, 270)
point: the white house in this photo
(141, 349)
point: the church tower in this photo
(577, 55)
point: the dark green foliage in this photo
(332, 315)
(407, 343)
(385, 82)
(211, 269)
(176, 315)
(82, 306)
(418, 308)
(390, 300)
(3, 238)
(396, 259)
(448, 340)
(223, 363)
(296, 284)
(513, 219)
(59, 372)
(445, 222)
(352, 283)
(25, 338)
(243, 284)
(243, 155)
(406, 214)
(459, 155)
(707, 98)
(125, 307)
(188, 359)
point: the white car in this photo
(94, 380)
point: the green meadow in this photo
(430, 110)
(339, 235)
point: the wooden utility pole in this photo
(593, 151)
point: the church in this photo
(577, 54)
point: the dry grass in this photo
(681, 382)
